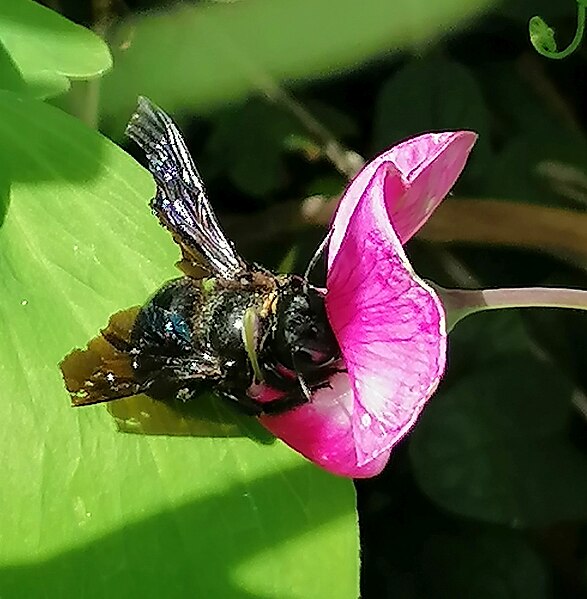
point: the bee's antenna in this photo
(316, 256)
(304, 387)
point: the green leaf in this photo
(40, 50)
(248, 142)
(432, 94)
(494, 446)
(329, 185)
(201, 55)
(486, 565)
(86, 510)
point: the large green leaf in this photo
(89, 511)
(40, 50)
(199, 55)
(495, 446)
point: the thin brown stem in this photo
(346, 161)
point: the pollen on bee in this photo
(269, 305)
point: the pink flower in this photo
(389, 323)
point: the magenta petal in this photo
(390, 326)
(428, 165)
(322, 431)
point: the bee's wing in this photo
(102, 371)
(181, 202)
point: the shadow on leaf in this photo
(185, 552)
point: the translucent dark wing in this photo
(181, 203)
(102, 371)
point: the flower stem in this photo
(459, 303)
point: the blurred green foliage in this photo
(207, 53)
(488, 497)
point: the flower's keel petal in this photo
(428, 164)
(390, 325)
(322, 431)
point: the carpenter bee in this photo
(226, 325)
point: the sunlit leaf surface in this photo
(40, 50)
(86, 510)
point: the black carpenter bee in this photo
(226, 325)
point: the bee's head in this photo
(303, 337)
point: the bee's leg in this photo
(292, 398)
(301, 380)
(304, 387)
(297, 391)
(276, 379)
(165, 377)
(323, 385)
